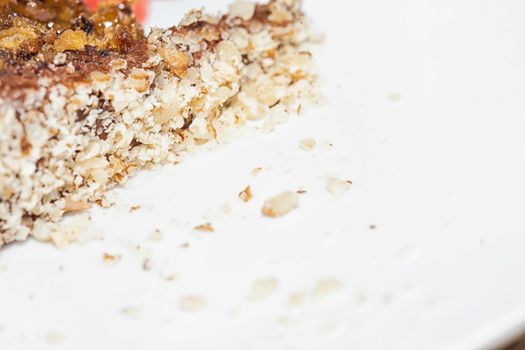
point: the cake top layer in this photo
(63, 39)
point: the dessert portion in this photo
(87, 99)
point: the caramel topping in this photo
(33, 32)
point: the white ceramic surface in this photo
(425, 111)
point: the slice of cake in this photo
(87, 99)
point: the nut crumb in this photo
(192, 303)
(134, 208)
(307, 144)
(263, 288)
(281, 204)
(301, 191)
(110, 260)
(256, 171)
(246, 194)
(337, 187)
(207, 227)
(185, 245)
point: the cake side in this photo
(63, 145)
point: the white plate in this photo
(425, 111)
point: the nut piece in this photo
(73, 206)
(246, 194)
(110, 260)
(134, 208)
(60, 59)
(281, 204)
(337, 187)
(14, 37)
(176, 61)
(242, 9)
(71, 40)
(207, 227)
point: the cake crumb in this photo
(147, 264)
(263, 288)
(170, 278)
(79, 229)
(191, 303)
(246, 194)
(337, 187)
(281, 204)
(105, 202)
(185, 245)
(307, 144)
(110, 260)
(156, 236)
(134, 208)
(297, 299)
(372, 227)
(326, 287)
(327, 146)
(130, 311)
(226, 209)
(207, 227)
(256, 171)
(395, 96)
(54, 337)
